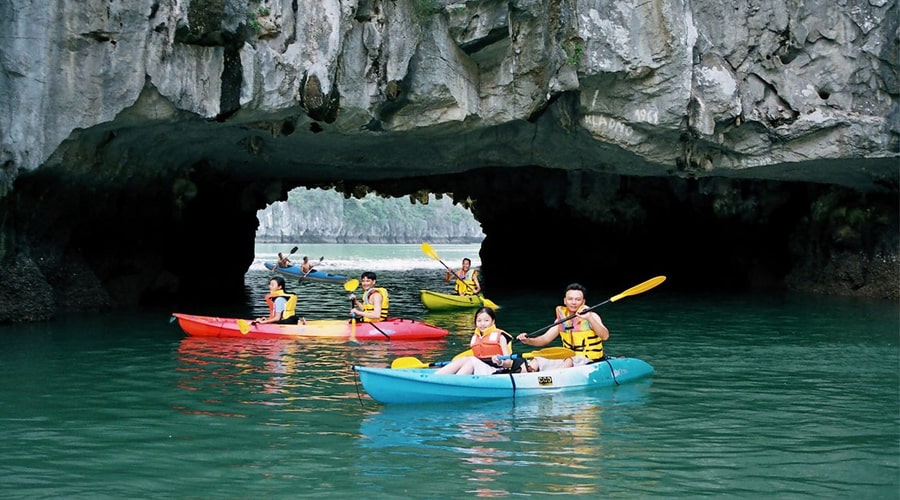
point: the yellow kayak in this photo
(437, 301)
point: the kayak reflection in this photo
(433, 426)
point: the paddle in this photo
(411, 362)
(351, 285)
(429, 251)
(548, 352)
(244, 326)
(641, 288)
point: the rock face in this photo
(317, 216)
(727, 146)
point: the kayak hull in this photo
(294, 272)
(437, 301)
(338, 329)
(391, 386)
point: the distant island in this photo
(319, 216)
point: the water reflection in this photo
(493, 445)
(294, 374)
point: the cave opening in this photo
(314, 215)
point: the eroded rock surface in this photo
(133, 134)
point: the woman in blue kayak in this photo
(489, 344)
(488, 341)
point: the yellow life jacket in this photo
(368, 306)
(576, 334)
(466, 285)
(290, 309)
(487, 343)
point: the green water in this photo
(753, 396)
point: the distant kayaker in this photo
(466, 278)
(583, 332)
(283, 261)
(375, 303)
(306, 267)
(488, 341)
(282, 305)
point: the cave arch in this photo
(139, 239)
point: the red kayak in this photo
(338, 329)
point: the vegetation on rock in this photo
(319, 216)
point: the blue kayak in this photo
(294, 272)
(423, 385)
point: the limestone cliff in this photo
(317, 216)
(725, 144)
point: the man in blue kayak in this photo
(306, 267)
(579, 329)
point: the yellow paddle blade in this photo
(407, 362)
(643, 287)
(489, 303)
(464, 353)
(243, 326)
(429, 251)
(551, 353)
(351, 285)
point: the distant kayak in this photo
(424, 385)
(294, 272)
(437, 301)
(342, 329)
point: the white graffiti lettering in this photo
(646, 116)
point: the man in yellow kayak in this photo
(466, 278)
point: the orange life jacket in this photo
(487, 343)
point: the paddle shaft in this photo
(559, 322)
(458, 277)
(412, 362)
(353, 302)
(549, 352)
(278, 263)
(430, 251)
(312, 267)
(643, 287)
